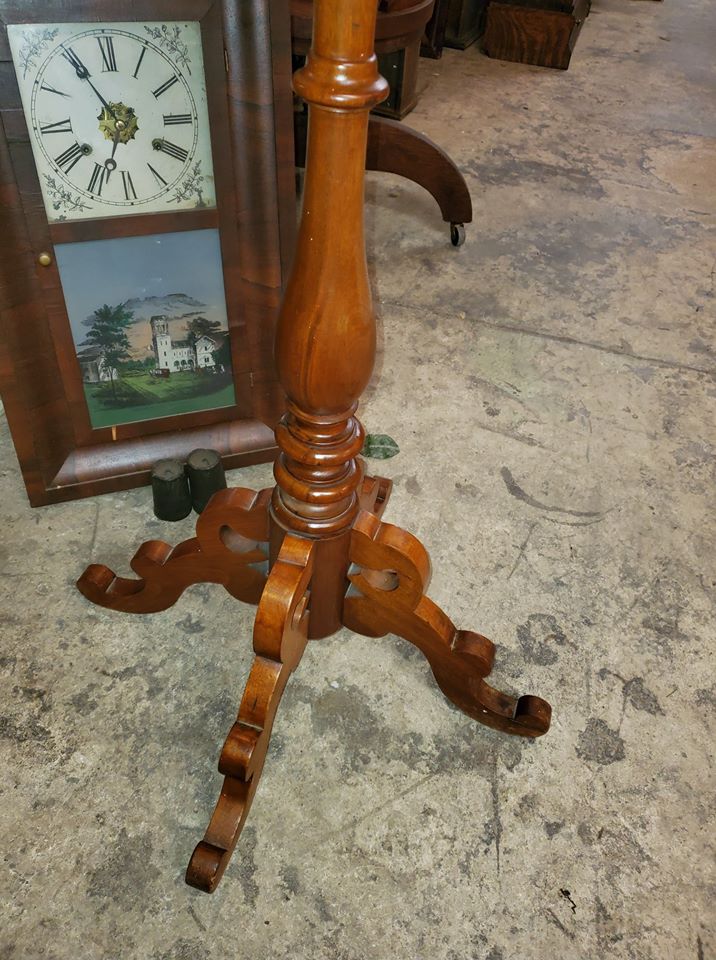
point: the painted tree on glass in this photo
(108, 331)
(202, 327)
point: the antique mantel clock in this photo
(147, 165)
(131, 157)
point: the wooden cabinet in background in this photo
(540, 32)
(399, 30)
(465, 22)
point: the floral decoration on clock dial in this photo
(117, 116)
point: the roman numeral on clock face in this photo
(60, 126)
(109, 61)
(97, 179)
(69, 157)
(139, 62)
(165, 86)
(157, 176)
(171, 149)
(129, 191)
(172, 119)
(49, 89)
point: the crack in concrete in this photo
(352, 824)
(511, 435)
(196, 919)
(516, 491)
(553, 918)
(577, 523)
(93, 540)
(521, 551)
(496, 818)
(602, 348)
(562, 338)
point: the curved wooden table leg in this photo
(229, 548)
(396, 148)
(280, 636)
(387, 595)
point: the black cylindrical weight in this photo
(206, 476)
(170, 490)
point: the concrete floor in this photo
(551, 388)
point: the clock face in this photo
(117, 116)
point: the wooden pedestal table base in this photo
(313, 552)
(388, 578)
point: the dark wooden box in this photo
(399, 30)
(465, 22)
(400, 69)
(540, 32)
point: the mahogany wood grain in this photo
(396, 148)
(120, 466)
(396, 23)
(332, 560)
(393, 147)
(280, 635)
(229, 548)
(399, 28)
(434, 37)
(325, 344)
(247, 60)
(465, 23)
(395, 602)
(531, 32)
(77, 231)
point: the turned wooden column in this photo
(325, 343)
(323, 517)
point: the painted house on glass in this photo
(174, 355)
(93, 365)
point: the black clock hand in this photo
(74, 61)
(104, 103)
(83, 73)
(111, 163)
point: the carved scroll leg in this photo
(280, 633)
(388, 596)
(374, 493)
(227, 549)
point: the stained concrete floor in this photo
(551, 388)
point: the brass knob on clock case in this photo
(44, 259)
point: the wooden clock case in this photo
(247, 59)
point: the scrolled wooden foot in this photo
(229, 548)
(374, 494)
(387, 595)
(280, 636)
